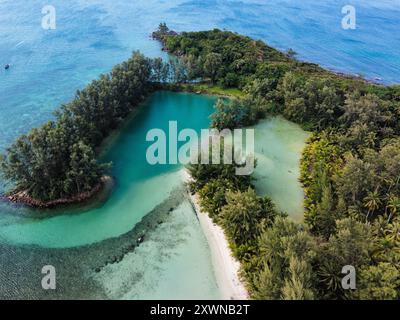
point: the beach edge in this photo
(226, 267)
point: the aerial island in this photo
(350, 168)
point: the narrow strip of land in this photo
(226, 267)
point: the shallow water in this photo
(139, 186)
(171, 252)
(91, 36)
(174, 248)
(120, 268)
(166, 266)
(278, 146)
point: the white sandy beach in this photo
(226, 267)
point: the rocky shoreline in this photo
(22, 197)
(160, 36)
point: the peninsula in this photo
(350, 166)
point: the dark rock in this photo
(140, 239)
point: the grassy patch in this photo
(216, 90)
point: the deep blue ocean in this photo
(47, 66)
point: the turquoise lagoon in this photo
(175, 248)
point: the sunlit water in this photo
(91, 36)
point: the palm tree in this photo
(372, 202)
(393, 206)
(393, 231)
(370, 139)
(392, 183)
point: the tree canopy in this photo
(350, 170)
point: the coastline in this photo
(205, 88)
(21, 197)
(226, 267)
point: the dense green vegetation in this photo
(350, 167)
(350, 171)
(233, 114)
(58, 160)
(231, 201)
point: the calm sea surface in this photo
(90, 37)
